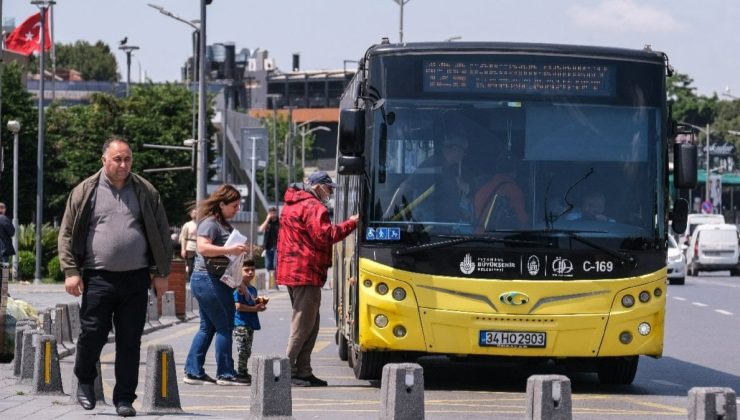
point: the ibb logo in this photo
(533, 265)
(513, 298)
(562, 266)
(467, 265)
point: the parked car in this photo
(696, 219)
(676, 263)
(714, 247)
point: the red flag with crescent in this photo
(26, 38)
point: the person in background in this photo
(592, 208)
(304, 257)
(215, 298)
(270, 228)
(499, 203)
(246, 320)
(114, 242)
(188, 235)
(7, 230)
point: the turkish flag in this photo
(26, 38)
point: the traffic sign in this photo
(253, 137)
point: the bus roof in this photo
(645, 54)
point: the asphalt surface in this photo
(702, 338)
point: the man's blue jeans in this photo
(216, 304)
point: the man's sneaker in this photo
(198, 380)
(308, 381)
(230, 381)
(246, 378)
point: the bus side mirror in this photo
(680, 215)
(684, 165)
(351, 132)
(351, 165)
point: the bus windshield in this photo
(479, 166)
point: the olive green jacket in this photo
(76, 220)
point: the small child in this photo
(246, 320)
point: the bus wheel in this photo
(617, 370)
(367, 364)
(343, 347)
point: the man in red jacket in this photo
(305, 239)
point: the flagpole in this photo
(53, 55)
(43, 6)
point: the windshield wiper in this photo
(454, 240)
(624, 257)
(550, 218)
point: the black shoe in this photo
(86, 395)
(125, 409)
(198, 380)
(308, 381)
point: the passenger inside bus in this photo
(592, 207)
(499, 202)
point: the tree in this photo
(687, 106)
(157, 114)
(95, 62)
(18, 105)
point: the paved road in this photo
(702, 339)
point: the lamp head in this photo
(14, 126)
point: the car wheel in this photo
(617, 370)
(678, 281)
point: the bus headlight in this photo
(381, 288)
(643, 328)
(399, 331)
(658, 292)
(628, 301)
(399, 294)
(644, 296)
(625, 337)
(381, 321)
(367, 283)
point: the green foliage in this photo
(156, 114)
(94, 61)
(27, 240)
(18, 105)
(53, 269)
(687, 106)
(26, 265)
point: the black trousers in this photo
(119, 299)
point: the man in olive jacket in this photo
(114, 243)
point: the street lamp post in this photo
(14, 127)
(128, 50)
(252, 193)
(43, 6)
(304, 133)
(273, 98)
(200, 33)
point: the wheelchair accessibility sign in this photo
(383, 234)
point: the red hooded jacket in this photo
(305, 239)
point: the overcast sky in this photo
(701, 38)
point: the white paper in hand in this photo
(235, 238)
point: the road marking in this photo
(699, 304)
(669, 383)
(320, 345)
(722, 311)
(679, 298)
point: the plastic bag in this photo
(232, 277)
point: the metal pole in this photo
(128, 72)
(53, 56)
(252, 194)
(193, 80)
(303, 150)
(706, 186)
(274, 151)
(202, 162)
(15, 204)
(40, 151)
(400, 25)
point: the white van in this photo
(696, 219)
(714, 247)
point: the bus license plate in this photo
(513, 339)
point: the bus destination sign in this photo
(569, 79)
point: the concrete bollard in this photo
(549, 397)
(66, 325)
(18, 355)
(57, 325)
(46, 323)
(160, 387)
(73, 310)
(271, 388)
(47, 377)
(169, 315)
(97, 386)
(402, 391)
(712, 403)
(153, 311)
(28, 353)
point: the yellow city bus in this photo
(562, 259)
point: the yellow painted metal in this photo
(47, 363)
(582, 318)
(164, 374)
